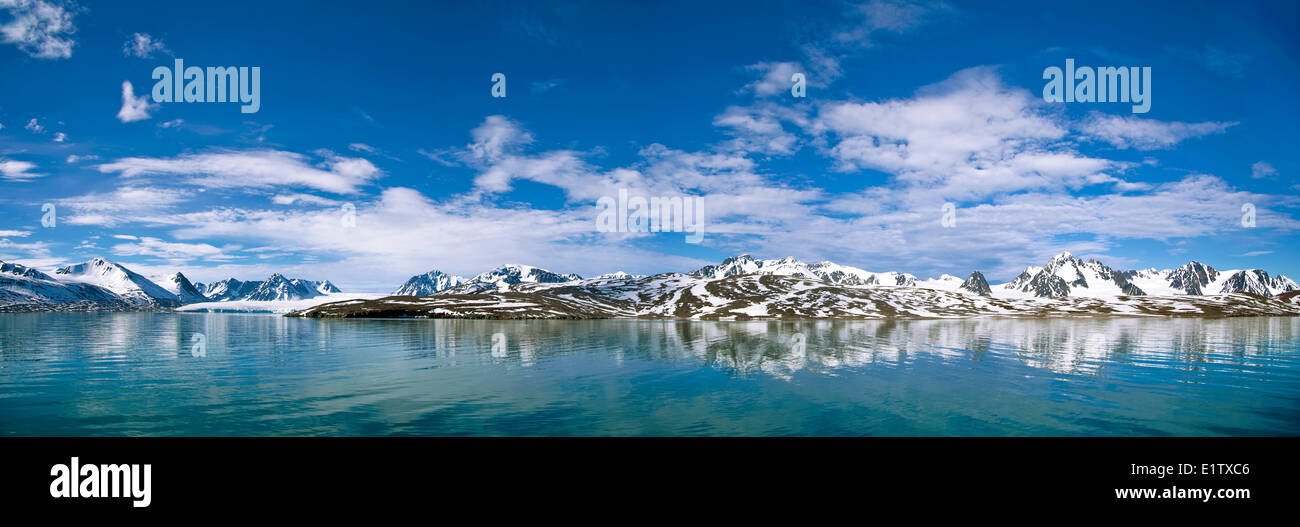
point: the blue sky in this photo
(385, 108)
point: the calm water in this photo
(134, 374)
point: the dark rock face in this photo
(1255, 281)
(1192, 278)
(1046, 285)
(1048, 281)
(730, 266)
(977, 284)
(429, 283)
(277, 287)
(187, 292)
(1121, 279)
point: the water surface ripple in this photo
(134, 374)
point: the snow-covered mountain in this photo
(180, 286)
(23, 288)
(1256, 281)
(516, 274)
(505, 276)
(615, 274)
(976, 284)
(102, 285)
(1191, 279)
(131, 287)
(789, 266)
(1065, 275)
(276, 287)
(429, 283)
(229, 289)
(756, 296)
(846, 275)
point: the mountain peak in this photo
(131, 287)
(433, 281)
(738, 258)
(977, 284)
(177, 284)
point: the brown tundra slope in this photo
(753, 297)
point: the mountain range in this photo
(743, 288)
(277, 287)
(1063, 275)
(501, 278)
(102, 285)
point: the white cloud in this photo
(134, 108)
(12, 170)
(563, 169)
(1261, 170)
(35, 254)
(14, 234)
(495, 138)
(760, 128)
(1217, 60)
(1222, 62)
(540, 87)
(121, 206)
(290, 199)
(34, 127)
(863, 21)
(967, 137)
(39, 28)
(896, 16)
(74, 158)
(444, 157)
(183, 252)
(142, 45)
(254, 169)
(60, 137)
(1145, 134)
(775, 78)
(1008, 159)
(361, 147)
(378, 252)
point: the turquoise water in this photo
(135, 374)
